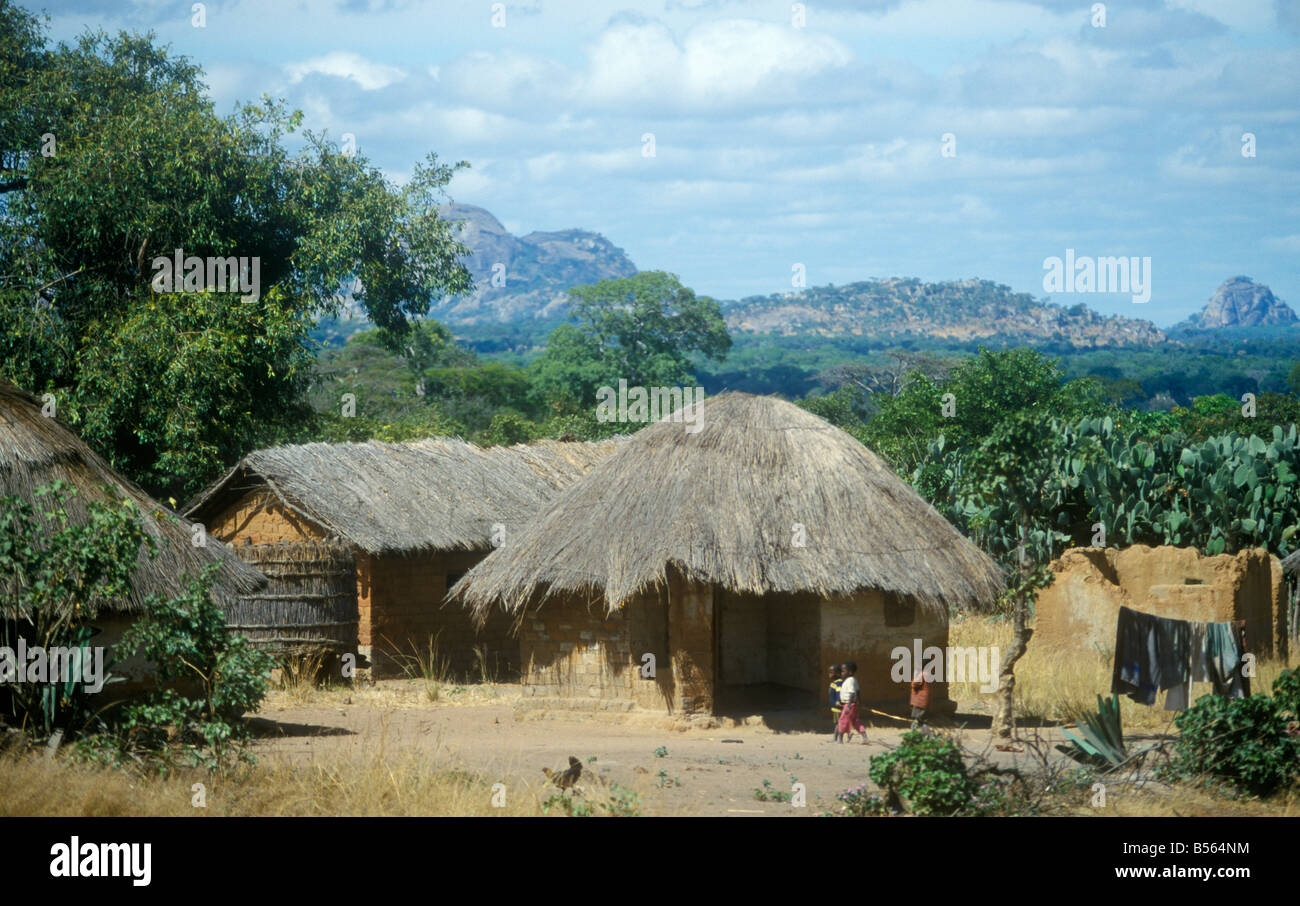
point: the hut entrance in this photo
(767, 656)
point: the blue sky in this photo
(817, 142)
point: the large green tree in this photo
(114, 159)
(643, 329)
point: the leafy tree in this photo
(642, 329)
(985, 390)
(1293, 379)
(171, 387)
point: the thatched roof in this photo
(36, 450)
(438, 494)
(721, 505)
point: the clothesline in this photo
(1159, 654)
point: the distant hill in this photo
(1239, 302)
(959, 311)
(534, 271)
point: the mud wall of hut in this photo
(400, 601)
(866, 628)
(1079, 610)
(769, 639)
(259, 518)
(399, 597)
(572, 650)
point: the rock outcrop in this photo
(1241, 302)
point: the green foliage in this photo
(986, 389)
(78, 304)
(208, 677)
(927, 771)
(1221, 495)
(768, 793)
(1101, 739)
(55, 576)
(641, 329)
(1252, 744)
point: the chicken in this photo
(566, 778)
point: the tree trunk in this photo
(1004, 717)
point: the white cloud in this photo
(721, 62)
(344, 64)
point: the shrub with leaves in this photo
(1252, 744)
(56, 574)
(927, 771)
(208, 677)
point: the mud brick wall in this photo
(744, 639)
(690, 637)
(571, 649)
(1077, 613)
(856, 628)
(259, 518)
(769, 639)
(400, 600)
(794, 642)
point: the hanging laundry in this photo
(1137, 664)
(1180, 696)
(1224, 647)
(1154, 654)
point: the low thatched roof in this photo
(438, 494)
(723, 505)
(36, 450)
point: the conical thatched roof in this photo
(36, 450)
(722, 506)
(438, 494)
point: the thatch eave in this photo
(36, 450)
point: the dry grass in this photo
(1058, 687)
(402, 787)
(300, 676)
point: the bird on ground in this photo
(566, 778)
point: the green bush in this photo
(1252, 744)
(926, 770)
(208, 677)
(56, 574)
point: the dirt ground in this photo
(700, 771)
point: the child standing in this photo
(849, 720)
(920, 699)
(833, 699)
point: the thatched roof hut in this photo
(416, 515)
(36, 450)
(723, 506)
(438, 494)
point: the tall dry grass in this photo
(1058, 686)
(401, 787)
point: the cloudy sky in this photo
(813, 133)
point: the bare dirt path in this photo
(696, 772)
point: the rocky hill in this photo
(961, 310)
(1240, 302)
(532, 272)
